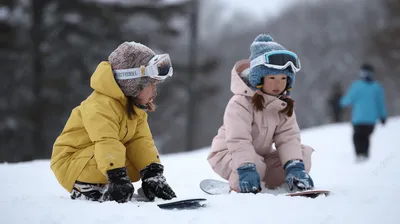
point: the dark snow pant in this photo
(361, 135)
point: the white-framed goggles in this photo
(159, 67)
(278, 59)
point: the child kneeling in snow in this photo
(259, 114)
(106, 143)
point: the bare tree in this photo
(383, 50)
(58, 44)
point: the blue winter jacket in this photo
(367, 100)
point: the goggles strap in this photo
(132, 73)
(123, 74)
(260, 60)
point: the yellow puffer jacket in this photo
(99, 136)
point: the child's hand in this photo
(296, 176)
(154, 183)
(249, 179)
(120, 187)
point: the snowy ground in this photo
(260, 9)
(363, 193)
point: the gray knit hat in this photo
(132, 55)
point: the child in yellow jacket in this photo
(106, 143)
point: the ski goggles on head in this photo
(278, 59)
(159, 67)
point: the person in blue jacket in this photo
(367, 99)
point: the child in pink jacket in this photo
(259, 115)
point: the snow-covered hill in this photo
(362, 193)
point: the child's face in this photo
(274, 84)
(147, 95)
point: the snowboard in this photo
(186, 204)
(217, 187)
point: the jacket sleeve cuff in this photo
(109, 155)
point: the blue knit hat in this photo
(261, 45)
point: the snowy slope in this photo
(259, 9)
(363, 193)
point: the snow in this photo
(362, 193)
(139, 2)
(4, 13)
(259, 9)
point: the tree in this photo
(59, 43)
(383, 49)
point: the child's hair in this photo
(131, 102)
(129, 107)
(258, 103)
